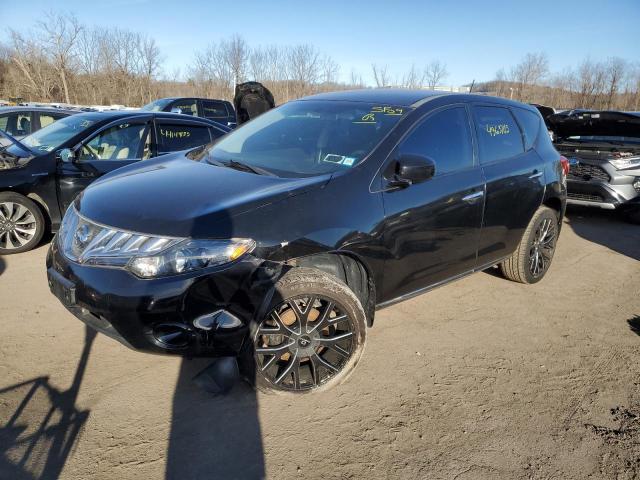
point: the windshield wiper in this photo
(236, 165)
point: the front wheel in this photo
(312, 336)
(531, 260)
(21, 223)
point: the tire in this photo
(313, 322)
(531, 260)
(21, 223)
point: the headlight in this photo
(624, 163)
(146, 256)
(190, 255)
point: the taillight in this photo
(565, 165)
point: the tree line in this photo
(60, 60)
(610, 84)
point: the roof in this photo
(21, 108)
(116, 114)
(390, 96)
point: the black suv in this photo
(41, 174)
(220, 111)
(603, 150)
(278, 242)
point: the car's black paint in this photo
(53, 184)
(407, 239)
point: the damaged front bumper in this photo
(206, 313)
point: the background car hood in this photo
(596, 123)
(183, 198)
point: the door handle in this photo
(535, 174)
(472, 197)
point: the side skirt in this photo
(420, 291)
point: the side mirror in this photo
(66, 155)
(410, 169)
(176, 110)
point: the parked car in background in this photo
(22, 121)
(42, 174)
(252, 99)
(603, 149)
(219, 111)
(278, 242)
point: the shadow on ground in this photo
(606, 228)
(634, 324)
(3, 265)
(213, 436)
(40, 433)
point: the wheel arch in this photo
(351, 270)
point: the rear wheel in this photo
(21, 223)
(312, 336)
(531, 260)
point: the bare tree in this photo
(616, 72)
(413, 78)
(434, 73)
(60, 34)
(533, 68)
(380, 75)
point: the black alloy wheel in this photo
(542, 247)
(304, 342)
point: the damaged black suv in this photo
(277, 243)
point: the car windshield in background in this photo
(308, 138)
(54, 135)
(156, 106)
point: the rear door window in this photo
(498, 134)
(187, 106)
(444, 137)
(173, 137)
(530, 123)
(214, 110)
(16, 124)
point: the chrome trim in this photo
(472, 196)
(587, 203)
(535, 175)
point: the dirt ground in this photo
(483, 378)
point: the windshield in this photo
(52, 136)
(307, 138)
(156, 105)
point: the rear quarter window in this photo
(531, 124)
(499, 136)
(176, 137)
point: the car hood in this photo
(184, 198)
(594, 123)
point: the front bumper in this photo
(616, 192)
(135, 312)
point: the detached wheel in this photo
(21, 223)
(531, 260)
(313, 335)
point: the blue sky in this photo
(474, 38)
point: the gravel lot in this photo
(483, 378)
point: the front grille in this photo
(586, 172)
(585, 196)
